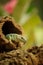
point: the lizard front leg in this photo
(11, 44)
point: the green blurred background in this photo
(29, 14)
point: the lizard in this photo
(16, 37)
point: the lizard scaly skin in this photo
(15, 37)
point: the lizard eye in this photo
(22, 38)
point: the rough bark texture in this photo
(7, 26)
(18, 57)
(38, 52)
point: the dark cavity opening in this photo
(8, 28)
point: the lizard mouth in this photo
(8, 28)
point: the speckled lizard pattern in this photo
(16, 37)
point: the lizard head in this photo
(22, 38)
